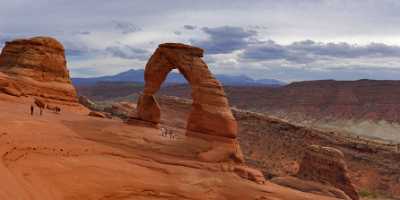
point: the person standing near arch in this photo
(32, 110)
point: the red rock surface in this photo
(74, 156)
(327, 166)
(36, 67)
(310, 187)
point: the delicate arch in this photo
(210, 114)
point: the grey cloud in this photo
(290, 74)
(128, 52)
(189, 27)
(126, 27)
(309, 51)
(345, 50)
(225, 39)
(76, 49)
(259, 27)
(270, 50)
(84, 33)
(74, 52)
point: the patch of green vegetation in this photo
(366, 193)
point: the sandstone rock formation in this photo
(148, 109)
(97, 114)
(122, 110)
(36, 67)
(87, 102)
(210, 114)
(326, 165)
(250, 174)
(310, 187)
(210, 117)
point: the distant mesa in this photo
(137, 76)
(36, 67)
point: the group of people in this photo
(41, 106)
(167, 133)
(33, 110)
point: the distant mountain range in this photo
(176, 78)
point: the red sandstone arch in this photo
(211, 114)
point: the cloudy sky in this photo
(288, 40)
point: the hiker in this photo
(32, 110)
(58, 110)
(40, 104)
(55, 109)
(163, 131)
(167, 132)
(171, 134)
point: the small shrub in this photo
(365, 193)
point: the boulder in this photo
(87, 102)
(250, 174)
(97, 114)
(123, 110)
(326, 165)
(36, 67)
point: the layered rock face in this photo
(211, 114)
(324, 100)
(36, 67)
(326, 165)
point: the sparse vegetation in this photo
(366, 193)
